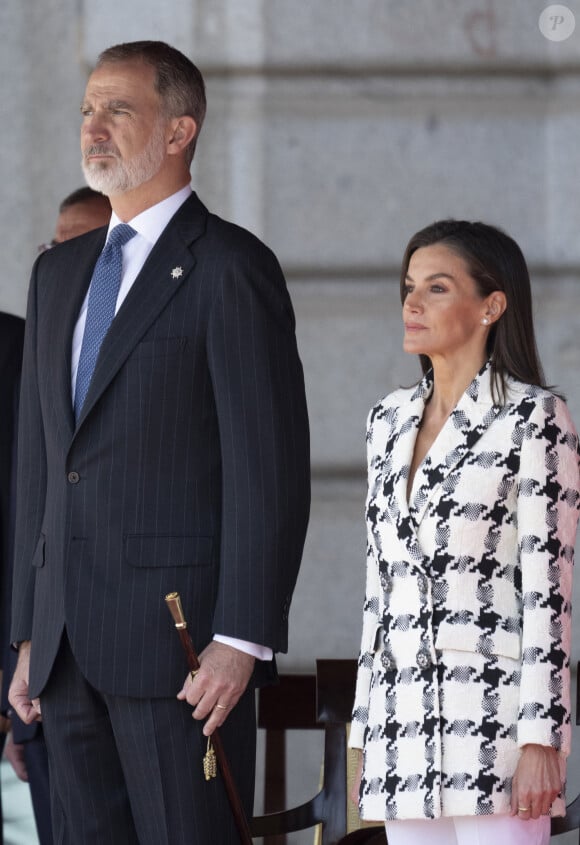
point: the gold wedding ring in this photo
(523, 809)
(221, 707)
(193, 673)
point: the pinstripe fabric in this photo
(191, 459)
(130, 770)
(187, 470)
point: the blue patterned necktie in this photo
(103, 294)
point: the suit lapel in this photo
(387, 504)
(471, 417)
(167, 268)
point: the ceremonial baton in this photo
(173, 601)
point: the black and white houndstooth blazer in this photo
(466, 628)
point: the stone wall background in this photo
(335, 129)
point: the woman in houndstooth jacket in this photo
(462, 704)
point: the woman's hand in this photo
(536, 782)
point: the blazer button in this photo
(386, 583)
(73, 477)
(423, 659)
(387, 661)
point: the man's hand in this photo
(29, 711)
(536, 782)
(220, 682)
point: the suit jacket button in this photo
(73, 477)
(386, 583)
(423, 659)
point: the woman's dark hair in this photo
(495, 262)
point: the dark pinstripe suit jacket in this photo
(11, 341)
(11, 338)
(188, 469)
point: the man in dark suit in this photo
(185, 467)
(11, 339)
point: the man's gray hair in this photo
(178, 81)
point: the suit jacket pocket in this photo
(155, 550)
(160, 347)
(38, 556)
(457, 637)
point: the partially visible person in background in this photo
(11, 340)
(79, 212)
(462, 705)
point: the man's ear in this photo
(182, 132)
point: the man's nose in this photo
(94, 129)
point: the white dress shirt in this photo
(149, 225)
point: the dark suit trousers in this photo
(37, 767)
(31, 738)
(2, 743)
(129, 770)
(36, 760)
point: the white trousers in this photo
(470, 830)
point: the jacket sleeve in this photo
(547, 512)
(258, 386)
(371, 619)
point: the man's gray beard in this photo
(118, 177)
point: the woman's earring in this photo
(485, 322)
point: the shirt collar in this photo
(151, 222)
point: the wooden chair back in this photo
(325, 701)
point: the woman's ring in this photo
(523, 809)
(193, 673)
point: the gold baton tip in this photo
(173, 601)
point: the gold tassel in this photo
(209, 761)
